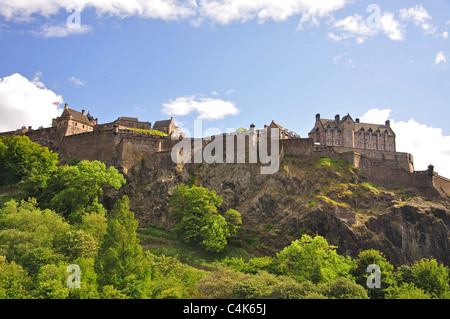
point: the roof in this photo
(162, 123)
(373, 127)
(283, 129)
(326, 122)
(358, 126)
(77, 116)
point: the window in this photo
(367, 145)
(329, 142)
(359, 144)
(329, 132)
(390, 147)
(382, 146)
(337, 142)
(375, 145)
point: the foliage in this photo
(21, 159)
(120, 257)
(195, 211)
(14, 280)
(172, 278)
(151, 132)
(343, 288)
(30, 236)
(254, 265)
(406, 291)
(359, 271)
(312, 259)
(431, 277)
(258, 286)
(75, 190)
(218, 284)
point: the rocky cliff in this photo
(315, 196)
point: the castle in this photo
(72, 122)
(124, 142)
(353, 134)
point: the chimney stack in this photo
(317, 117)
(83, 112)
(357, 120)
(66, 106)
(388, 123)
(337, 117)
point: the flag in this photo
(55, 103)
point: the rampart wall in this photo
(125, 148)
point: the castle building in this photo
(284, 132)
(72, 122)
(350, 133)
(165, 126)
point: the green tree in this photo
(195, 211)
(219, 283)
(234, 221)
(93, 224)
(14, 281)
(343, 288)
(78, 243)
(75, 190)
(120, 257)
(49, 274)
(406, 291)
(21, 159)
(359, 272)
(313, 259)
(30, 236)
(170, 278)
(432, 277)
(214, 233)
(51, 289)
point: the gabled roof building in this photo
(350, 133)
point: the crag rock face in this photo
(315, 196)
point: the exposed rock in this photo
(318, 196)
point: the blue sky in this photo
(233, 63)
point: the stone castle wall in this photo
(125, 148)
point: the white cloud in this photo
(391, 27)
(420, 17)
(24, 102)
(352, 27)
(77, 81)
(338, 57)
(220, 11)
(356, 27)
(440, 58)
(225, 12)
(427, 144)
(206, 108)
(59, 31)
(444, 35)
(158, 9)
